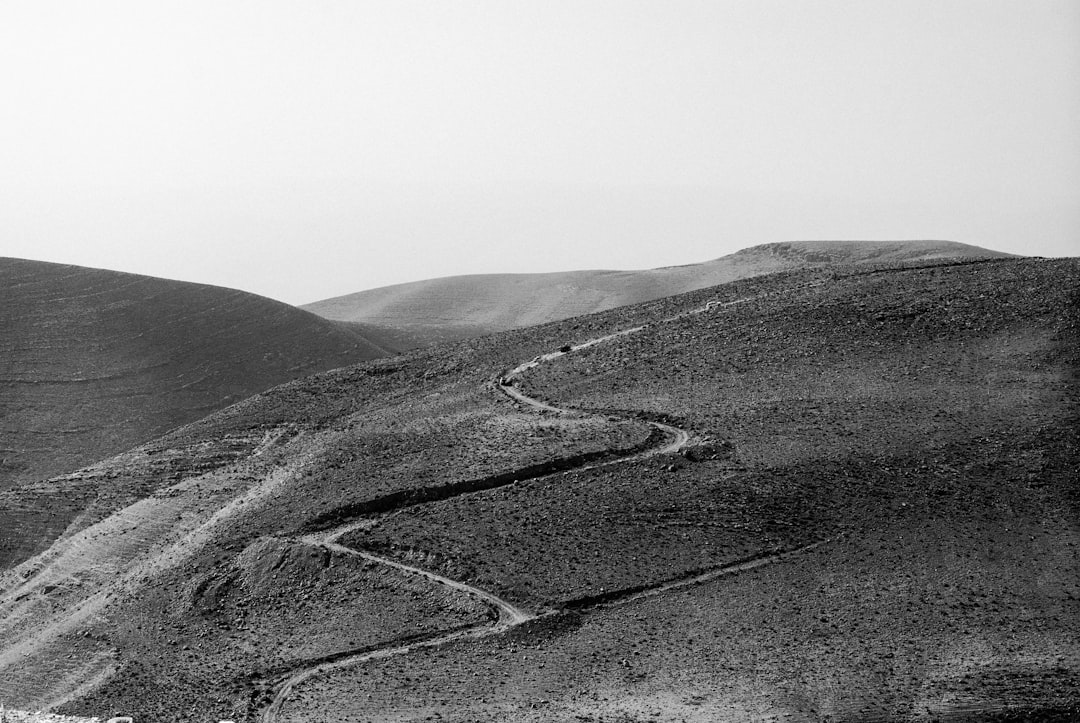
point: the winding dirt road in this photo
(675, 439)
(508, 614)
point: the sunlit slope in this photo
(897, 449)
(184, 577)
(463, 306)
(875, 520)
(920, 425)
(94, 361)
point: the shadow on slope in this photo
(93, 362)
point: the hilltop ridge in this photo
(463, 306)
(93, 362)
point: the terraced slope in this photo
(463, 306)
(874, 518)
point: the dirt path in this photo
(508, 615)
(285, 689)
(633, 594)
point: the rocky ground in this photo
(929, 437)
(22, 716)
(876, 519)
(94, 362)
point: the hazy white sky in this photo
(308, 149)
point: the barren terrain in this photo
(93, 362)
(839, 494)
(459, 307)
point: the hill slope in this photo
(93, 362)
(874, 517)
(463, 306)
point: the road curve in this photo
(508, 615)
(677, 437)
(285, 688)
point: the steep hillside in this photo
(93, 362)
(838, 494)
(463, 306)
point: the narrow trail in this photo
(508, 613)
(509, 616)
(626, 596)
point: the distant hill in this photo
(458, 307)
(93, 362)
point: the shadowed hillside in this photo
(462, 306)
(833, 494)
(93, 362)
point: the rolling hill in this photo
(463, 306)
(833, 494)
(93, 362)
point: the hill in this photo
(832, 494)
(458, 307)
(93, 362)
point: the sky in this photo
(304, 150)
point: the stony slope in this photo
(877, 520)
(93, 362)
(463, 306)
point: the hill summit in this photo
(93, 362)
(458, 307)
